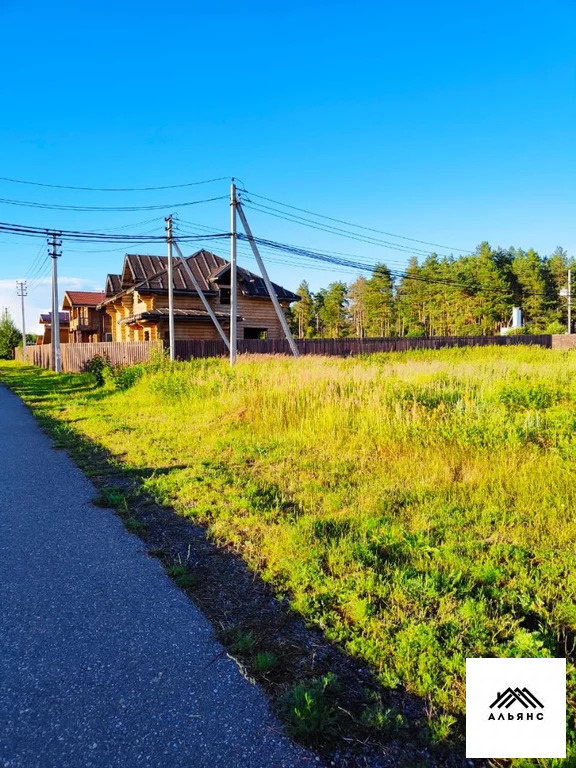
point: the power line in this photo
(188, 226)
(41, 274)
(56, 207)
(113, 189)
(336, 230)
(357, 226)
(396, 274)
(92, 236)
(36, 259)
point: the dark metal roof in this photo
(113, 285)
(46, 318)
(151, 272)
(147, 274)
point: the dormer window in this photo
(225, 295)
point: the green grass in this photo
(417, 507)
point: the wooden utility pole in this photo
(233, 277)
(54, 244)
(269, 286)
(21, 291)
(170, 287)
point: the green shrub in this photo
(97, 366)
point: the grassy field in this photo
(417, 507)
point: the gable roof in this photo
(46, 318)
(113, 285)
(148, 274)
(84, 298)
(151, 271)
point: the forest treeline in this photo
(442, 296)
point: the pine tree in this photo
(410, 301)
(317, 312)
(380, 302)
(10, 336)
(333, 311)
(533, 296)
(304, 311)
(357, 295)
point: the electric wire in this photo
(90, 236)
(113, 189)
(56, 207)
(472, 286)
(357, 226)
(339, 232)
(39, 275)
(36, 259)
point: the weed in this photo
(136, 526)
(240, 641)
(111, 497)
(182, 576)
(309, 708)
(388, 720)
(265, 661)
(440, 727)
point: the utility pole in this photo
(54, 244)
(267, 281)
(170, 287)
(21, 291)
(233, 277)
(569, 301)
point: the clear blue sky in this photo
(451, 122)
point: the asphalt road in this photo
(103, 661)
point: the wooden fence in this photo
(75, 356)
(186, 350)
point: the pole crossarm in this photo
(203, 298)
(269, 286)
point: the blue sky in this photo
(450, 122)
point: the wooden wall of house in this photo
(256, 313)
(47, 336)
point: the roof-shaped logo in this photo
(522, 696)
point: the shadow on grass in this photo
(369, 725)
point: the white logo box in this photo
(516, 708)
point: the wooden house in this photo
(87, 323)
(137, 300)
(46, 321)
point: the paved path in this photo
(103, 661)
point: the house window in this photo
(108, 337)
(83, 315)
(224, 295)
(255, 333)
